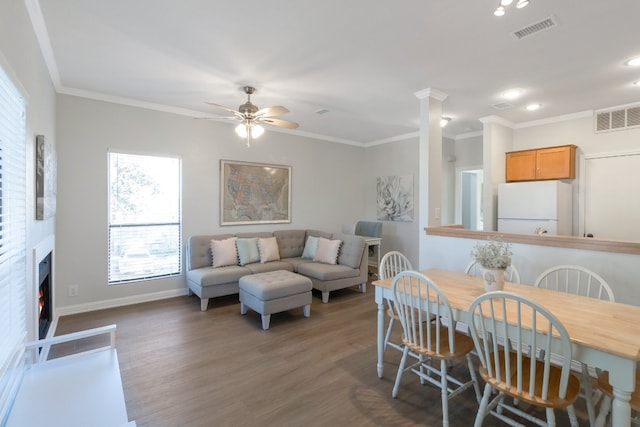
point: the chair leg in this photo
(484, 403)
(403, 361)
(444, 392)
(388, 336)
(588, 394)
(551, 418)
(573, 420)
(474, 378)
(605, 407)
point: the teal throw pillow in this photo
(248, 250)
(310, 248)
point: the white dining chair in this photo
(392, 263)
(607, 389)
(507, 329)
(511, 274)
(421, 308)
(577, 280)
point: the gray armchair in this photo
(369, 228)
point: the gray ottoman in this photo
(273, 292)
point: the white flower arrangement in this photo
(494, 254)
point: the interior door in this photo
(611, 195)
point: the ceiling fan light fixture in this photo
(522, 3)
(256, 131)
(533, 107)
(444, 121)
(633, 62)
(499, 11)
(505, 2)
(241, 130)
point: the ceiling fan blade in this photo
(236, 118)
(278, 110)
(278, 122)
(231, 110)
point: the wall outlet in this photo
(73, 290)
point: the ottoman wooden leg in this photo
(265, 321)
(306, 310)
(243, 308)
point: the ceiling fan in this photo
(251, 117)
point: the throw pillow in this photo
(310, 248)
(248, 250)
(223, 252)
(268, 248)
(327, 252)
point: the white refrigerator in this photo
(535, 207)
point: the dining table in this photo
(603, 334)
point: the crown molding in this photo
(431, 93)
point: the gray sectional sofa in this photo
(207, 281)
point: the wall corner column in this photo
(430, 158)
(497, 139)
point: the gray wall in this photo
(328, 187)
(395, 158)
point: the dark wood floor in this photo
(184, 367)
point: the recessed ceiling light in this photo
(533, 107)
(633, 62)
(505, 2)
(511, 93)
(499, 11)
(636, 83)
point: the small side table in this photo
(373, 249)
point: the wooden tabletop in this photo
(603, 325)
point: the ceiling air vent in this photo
(545, 24)
(502, 106)
(622, 118)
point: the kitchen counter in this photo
(571, 242)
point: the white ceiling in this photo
(362, 60)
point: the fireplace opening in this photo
(44, 296)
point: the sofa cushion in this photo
(223, 252)
(320, 271)
(268, 248)
(258, 267)
(290, 242)
(209, 276)
(351, 250)
(295, 262)
(248, 250)
(327, 251)
(310, 248)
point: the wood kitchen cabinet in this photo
(540, 164)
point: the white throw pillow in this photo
(268, 247)
(327, 252)
(224, 252)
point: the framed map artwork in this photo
(254, 193)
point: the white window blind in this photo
(144, 217)
(13, 217)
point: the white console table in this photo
(374, 242)
(82, 389)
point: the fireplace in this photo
(44, 296)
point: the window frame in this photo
(114, 278)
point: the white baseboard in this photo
(118, 302)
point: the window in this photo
(144, 217)
(13, 219)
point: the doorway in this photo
(469, 197)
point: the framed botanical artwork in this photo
(395, 198)
(254, 193)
